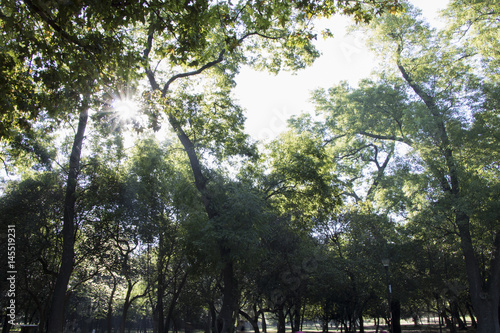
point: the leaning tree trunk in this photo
(230, 290)
(56, 316)
(225, 322)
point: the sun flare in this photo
(126, 109)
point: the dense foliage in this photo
(172, 218)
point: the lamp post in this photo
(386, 262)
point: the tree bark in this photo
(56, 316)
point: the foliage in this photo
(55, 53)
(299, 181)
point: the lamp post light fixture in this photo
(386, 262)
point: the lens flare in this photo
(126, 109)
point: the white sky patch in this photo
(269, 100)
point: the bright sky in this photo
(270, 100)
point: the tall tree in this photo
(441, 119)
(56, 318)
(34, 206)
(220, 37)
(447, 96)
(55, 57)
(71, 50)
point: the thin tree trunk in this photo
(264, 323)
(175, 297)
(56, 317)
(126, 305)
(213, 317)
(128, 302)
(471, 314)
(109, 316)
(254, 321)
(6, 326)
(160, 306)
(281, 320)
(296, 317)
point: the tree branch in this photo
(386, 137)
(430, 103)
(192, 73)
(380, 172)
(54, 25)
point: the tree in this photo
(444, 100)
(34, 206)
(53, 53)
(475, 25)
(54, 61)
(72, 51)
(220, 37)
(442, 104)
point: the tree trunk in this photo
(128, 302)
(396, 316)
(160, 307)
(56, 316)
(213, 317)
(484, 294)
(225, 322)
(455, 314)
(471, 314)
(281, 320)
(109, 316)
(254, 321)
(449, 322)
(325, 326)
(6, 326)
(264, 323)
(295, 317)
(175, 297)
